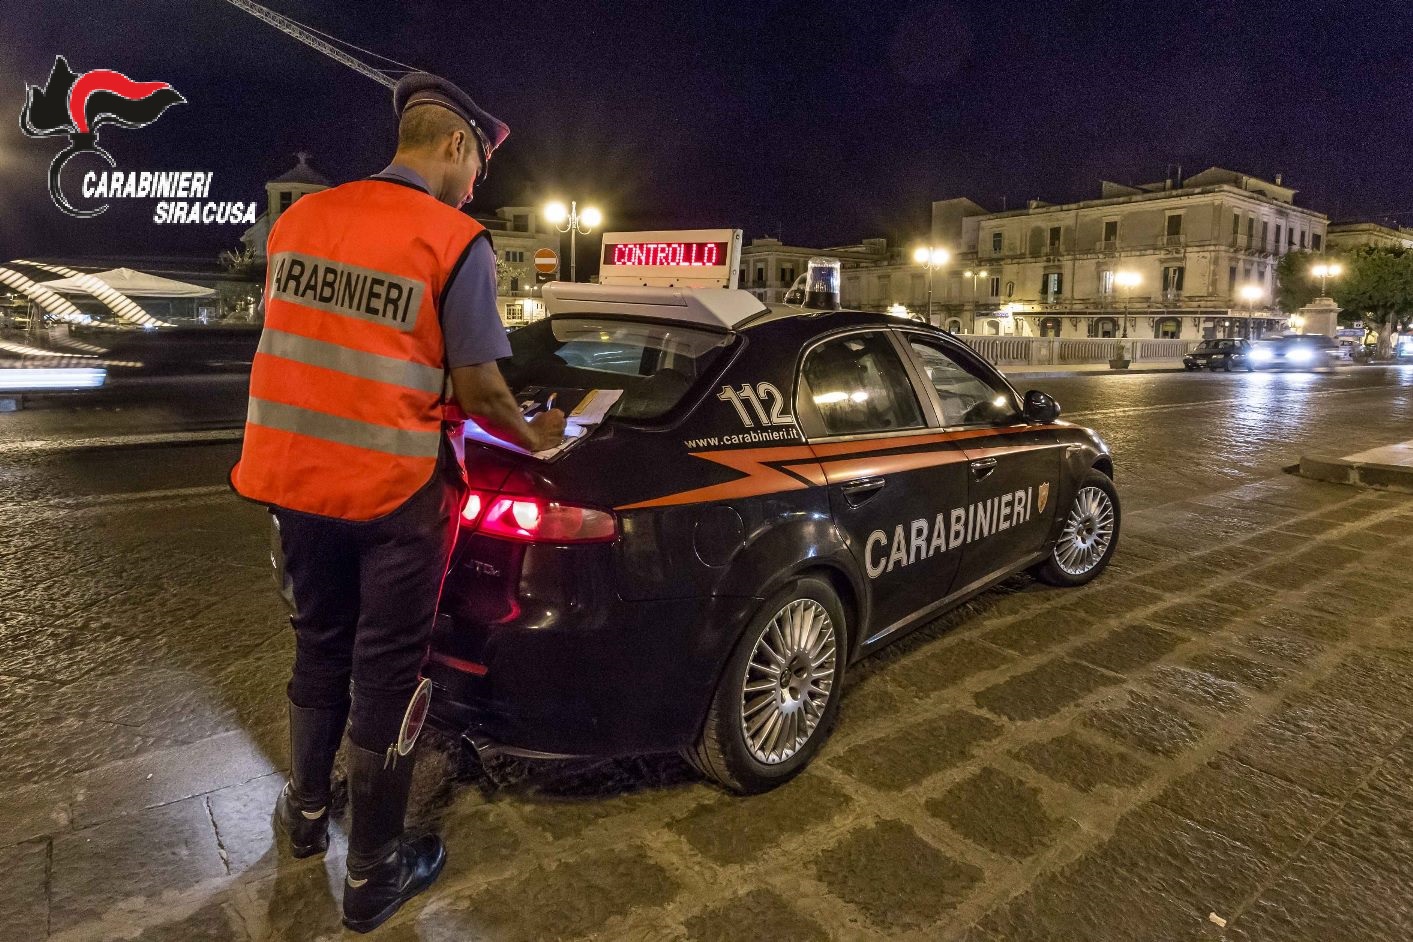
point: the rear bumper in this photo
(574, 670)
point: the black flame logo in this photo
(79, 104)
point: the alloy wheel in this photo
(1089, 529)
(789, 680)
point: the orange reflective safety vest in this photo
(347, 386)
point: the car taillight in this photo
(475, 505)
(534, 520)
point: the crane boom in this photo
(290, 28)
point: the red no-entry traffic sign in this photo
(546, 261)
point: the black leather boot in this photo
(302, 810)
(385, 869)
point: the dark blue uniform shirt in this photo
(470, 317)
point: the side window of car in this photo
(968, 395)
(857, 384)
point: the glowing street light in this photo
(1251, 293)
(1326, 270)
(930, 258)
(1126, 280)
(973, 275)
(572, 221)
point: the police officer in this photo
(378, 291)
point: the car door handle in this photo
(981, 467)
(860, 491)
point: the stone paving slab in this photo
(1210, 728)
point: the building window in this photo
(1235, 227)
(514, 285)
(995, 243)
(1010, 289)
(1049, 327)
(1169, 328)
(1278, 237)
(1103, 327)
(1315, 241)
(1302, 238)
(1250, 231)
(1290, 237)
(1111, 232)
(1106, 283)
(1265, 233)
(520, 222)
(760, 276)
(995, 286)
(787, 275)
(954, 325)
(1174, 229)
(286, 198)
(1172, 281)
(1231, 281)
(1054, 237)
(885, 284)
(1050, 285)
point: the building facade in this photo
(1352, 235)
(1189, 259)
(1181, 258)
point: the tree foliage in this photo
(1295, 286)
(1377, 286)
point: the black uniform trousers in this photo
(365, 597)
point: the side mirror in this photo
(1041, 407)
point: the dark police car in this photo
(775, 495)
(1220, 354)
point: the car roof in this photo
(718, 308)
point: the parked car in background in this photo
(1220, 354)
(1296, 352)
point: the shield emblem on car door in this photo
(1044, 496)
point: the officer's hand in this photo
(548, 429)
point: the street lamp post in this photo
(1325, 271)
(932, 259)
(573, 222)
(1126, 280)
(973, 275)
(1251, 293)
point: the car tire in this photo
(742, 761)
(1227, 365)
(1081, 552)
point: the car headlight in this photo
(1260, 355)
(1300, 355)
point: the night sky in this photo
(821, 122)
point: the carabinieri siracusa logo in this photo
(78, 105)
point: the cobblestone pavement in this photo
(1221, 726)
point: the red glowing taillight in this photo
(534, 520)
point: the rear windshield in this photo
(655, 365)
(1209, 345)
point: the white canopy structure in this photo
(133, 284)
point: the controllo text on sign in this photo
(665, 254)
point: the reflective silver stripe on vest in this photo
(335, 428)
(360, 363)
